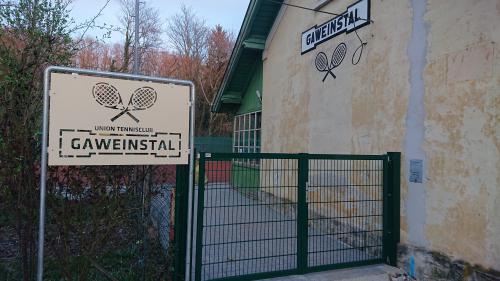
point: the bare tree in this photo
(219, 46)
(93, 54)
(201, 56)
(159, 63)
(150, 30)
(188, 34)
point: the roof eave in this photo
(236, 53)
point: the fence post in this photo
(302, 212)
(180, 220)
(393, 200)
(199, 217)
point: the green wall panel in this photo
(243, 176)
(250, 102)
(213, 144)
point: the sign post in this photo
(106, 118)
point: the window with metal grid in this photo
(247, 128)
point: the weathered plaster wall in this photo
(287, 103)
(462, 104)
(428, 84)
(362, 111)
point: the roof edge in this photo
(235, 54)
(240, 45)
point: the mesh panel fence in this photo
(345, 204)
(245, 228)
(266, 214)
(103, 223)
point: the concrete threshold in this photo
(380, 272)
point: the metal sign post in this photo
(134, 120)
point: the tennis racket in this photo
(322, 64)
(108, 96)
(338, 56)
(142, 99)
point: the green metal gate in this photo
(267, 215)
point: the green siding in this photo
(250, 102)
(245, 177)
(242, 175)
(213, 144)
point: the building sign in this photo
(355, 17)
(105, 121)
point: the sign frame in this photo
(45, 137)
(96, 120)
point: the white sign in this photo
(416, 170)
(355, 17)
(107, 121)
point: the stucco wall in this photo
(462, 101)
(428, 85)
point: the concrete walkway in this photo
(365, 273)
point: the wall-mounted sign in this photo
(105, 121)
(355, 17)
(416, 170)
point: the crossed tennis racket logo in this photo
(108, 96)
(323, 65)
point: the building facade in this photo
(417, 76)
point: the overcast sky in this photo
(228, 13)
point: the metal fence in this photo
(108, 227)
(345, 210)
(266, 215)
(162, 214)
